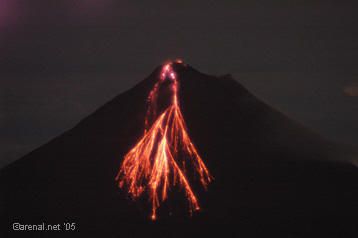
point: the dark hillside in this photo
(272, 175)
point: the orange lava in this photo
(154, 163)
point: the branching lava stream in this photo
(154, 163)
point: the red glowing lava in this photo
(154, 164)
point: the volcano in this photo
(272, 176)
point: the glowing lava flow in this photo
(152, 164)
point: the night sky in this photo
(60, 60)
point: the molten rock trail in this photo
(160, 158)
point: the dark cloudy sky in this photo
(61, 59)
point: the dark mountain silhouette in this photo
(272, 175)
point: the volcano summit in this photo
(272, 175)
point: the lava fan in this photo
(160, 158)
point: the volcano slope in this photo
(272, 176)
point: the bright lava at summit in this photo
(158, 159)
